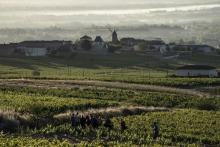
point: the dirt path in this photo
(113, 111)
(79, 83)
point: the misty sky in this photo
(70, 19)
(75, 13)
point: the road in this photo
(68, 84)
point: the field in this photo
(35, 109)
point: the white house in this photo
(40, 48)
(34, 52)
(193, 48)
(196, 70)
(156, 44)
(204, 48)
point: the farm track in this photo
(68, 84)
(113, 111)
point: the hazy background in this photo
(171, 20)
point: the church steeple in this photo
(115, 37)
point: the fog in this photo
(49, 17)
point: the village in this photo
(86, 44)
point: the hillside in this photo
(97, 66)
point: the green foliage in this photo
(179, 127)
(13, 141)
(208, 104)
(142, 47)
(101, 95)
(36, 73)
(112, 48)
(46, 106)
(8, 123)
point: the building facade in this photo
(196, 71)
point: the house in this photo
(157, 44)
(154, 45)
(85, 43)
(40, 48)
(86, 38)
(193, 48)
(196, 70)
(131, 42)
(128, 42)
(66, 50)
(203, 48)
(99, 46)
(33, 51)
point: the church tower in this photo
(114, 37)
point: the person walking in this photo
(94, 122)
(88, 120)
(83, 122)
(74, 120)
(108, 124)
(155, 130)
(123, 125)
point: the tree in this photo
(141, 47)
(112, 48)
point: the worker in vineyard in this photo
(100, 121)
(123, 125)
(108, 124)
(155, 130)
(88, 120)
(83, 122)
(94, 122)
(75, 120)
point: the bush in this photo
(207, 105)
(8, 123)
(113, 48)
(36, 73)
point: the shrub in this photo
(113, 48)
(207, 105)
(8, 123)
(36, 73)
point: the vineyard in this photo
(33, 116)
(138, 69)
(38, 97)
